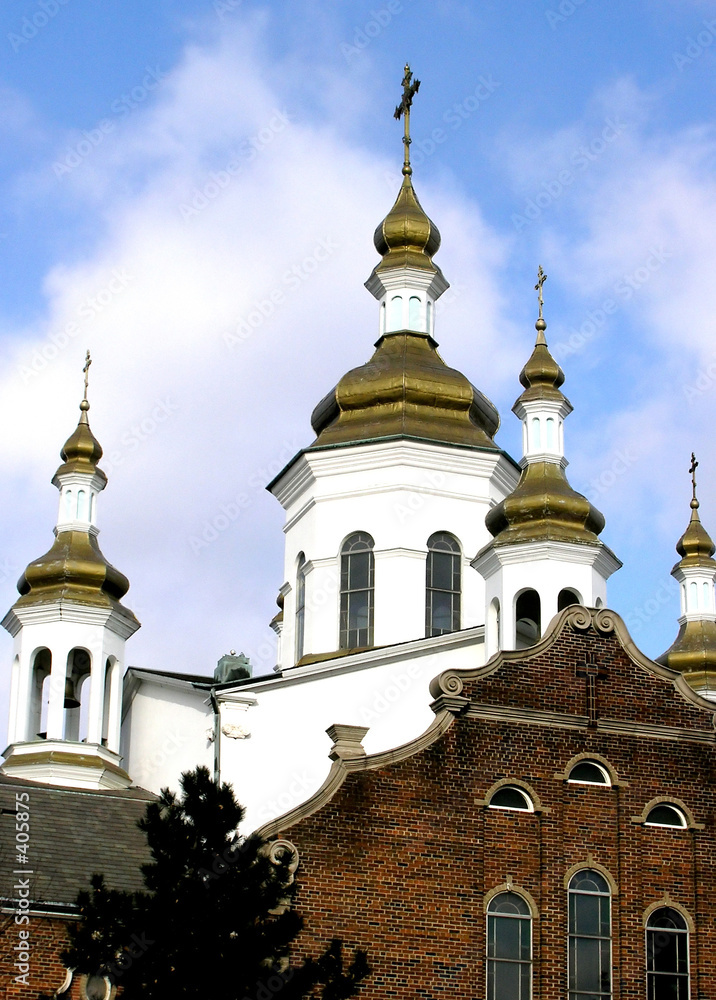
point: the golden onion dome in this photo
(543, 506)
(405, 390)
(695, 545)
(694, 649)
(81, 451)
(541, 375)
(407, 237)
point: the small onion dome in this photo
(694, 650)
(694, 653)
(407, 237)
(695, 545)
(82, 451)
(405, 390)
(544, 507)
(541, 376)
(73, 570)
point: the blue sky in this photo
(164, 166)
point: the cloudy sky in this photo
(189, 188)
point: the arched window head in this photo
(528, 616)
(414, 310)
(509, 948)
(357, 591)
(395, 321)
(511, 797)
(590, 936)
(442, 585)
(566, 598)
(300, 604)
(666, 815)
(667, 955)
(589, 772)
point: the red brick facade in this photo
(403, 857)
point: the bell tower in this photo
(70, 630)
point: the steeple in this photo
(69, 629)
(544, 523)
(404, 465)
(406, 389)
(694, 650)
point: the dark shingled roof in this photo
(73, 835)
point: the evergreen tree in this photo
(215, 920)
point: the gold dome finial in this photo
(695, 545)
(403, 109)
(84, 405)
(692, 469)
(82, 451)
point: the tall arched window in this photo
(509, 948)
(357, 572)
(590, 936)
(442, 585)
(667, 955)
(300, 605)
(528, 617)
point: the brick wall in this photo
(400, 860)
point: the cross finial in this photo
(88, 362)
(403, 109)
(692, 469)
(541, 278)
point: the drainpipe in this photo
(217, 736)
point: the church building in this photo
(482, 780)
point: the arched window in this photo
(566, 598)
(300, 605)
(590, 936)
(550, 434)
(429, 319)
(357, 572)
(414, 313)
(667, 955)
(666, 815)
(511, 797)
(589, 772)
(442, 585)
(536, 434)
(528, 615)
(509, 948)
(396, 313)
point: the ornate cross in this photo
(692, 470)
(409, 92)
(541, 278)
(88, 362)
(591, 670)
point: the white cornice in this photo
(67, 611)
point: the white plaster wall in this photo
(285, 757)
(164, 733)
(400, 493)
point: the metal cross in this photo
(692, 470)
(88, 362)
(409, 92)
(592, 671)
(541, 278)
